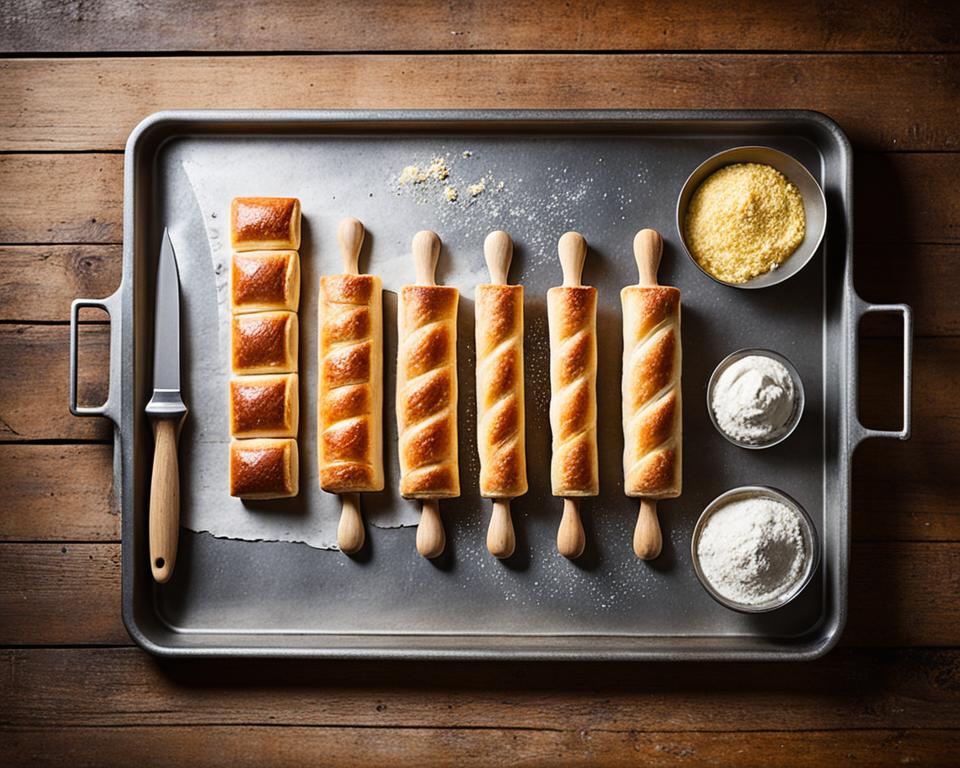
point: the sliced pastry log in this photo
(265, 342)
(265, 223)
(265, 280)
(266, 468)
(264, 406)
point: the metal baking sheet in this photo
(605, 174)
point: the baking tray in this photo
(231, 597)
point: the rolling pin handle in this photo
(647, 538)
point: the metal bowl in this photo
(798, 396)
(811, 542)
(814, 207)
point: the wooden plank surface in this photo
(381, 25)
(255, 746)
(849, 689)
(34, 382)
(57, 493)
(37, 283)
(61, 199)
(111, 95)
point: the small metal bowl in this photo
(811, 542)
(798, 396)
(814, 207)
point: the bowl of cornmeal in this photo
(751, 217)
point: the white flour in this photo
(753, 399)
(752, 550)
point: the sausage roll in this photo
(265, 223)
(572, 317)
(427, 391)
(500, 406)
(263, 280)
(265, 342)
(350, 398)
(264, 469)
(264, 406)
(651, 391)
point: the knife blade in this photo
(166, 411)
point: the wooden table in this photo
(77, 78)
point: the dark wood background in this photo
(75, 77)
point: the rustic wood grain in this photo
(849, 689)
(53, 594)
(57, 493)
(908, 490)
(170, 25)
(109, 96)
(34, 382)
(65, 198)
(39, 282)
(922, 275)
(255, 746)
(61, 199)
(60, 593)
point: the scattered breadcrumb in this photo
(478, 188)
(414, 174)
(466, 153)
(451, 194)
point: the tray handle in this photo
(864, 308)
(110, 305)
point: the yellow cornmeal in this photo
(743, 221)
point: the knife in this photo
(166, 412)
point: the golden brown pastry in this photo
(264, 406)
(350, 398)
(265, 342)
(265, 223)
(572, 317)
(264, 469)
(651, 391)
(427, 391)
(500, 404)
(264, 280)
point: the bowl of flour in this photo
(754, 549)
(755, 398)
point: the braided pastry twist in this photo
(572, 317)
(651, 391)
(350, 398)
(500, 407)
(427, 391)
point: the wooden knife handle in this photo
(164, 500)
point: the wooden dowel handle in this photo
(647, 539)
(573, 252)
(426, 253)
(164, 500)
(350, 237)
(350, 532)
(570, 537)
(498, 252)
(501, 538)
(647, 250)
(431, 538)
